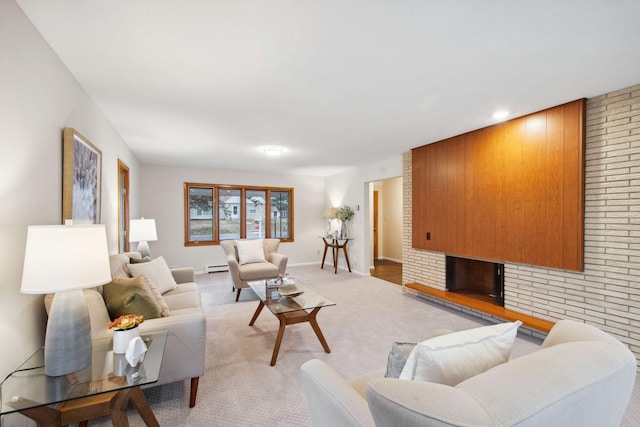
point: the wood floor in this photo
(389, 271)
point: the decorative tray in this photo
(290, 291)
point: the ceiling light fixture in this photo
(501, 115)
(273, 150)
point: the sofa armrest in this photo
(234, 271)
(280, 261)
(332, 401)
(183, 274)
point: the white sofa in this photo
(184, 355)
(581, 376)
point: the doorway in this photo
(386, 229)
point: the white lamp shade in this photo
(64, 258)
(331, 213)
(142, 230)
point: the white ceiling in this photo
(338, 83)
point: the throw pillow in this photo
(130, 296)
(398, 356)
(452, 358)
(250, 251)
(158, 273)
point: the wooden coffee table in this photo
(291, 310)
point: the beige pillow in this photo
(158, 273)
(250, 251)
(130, 296)
(452, 358)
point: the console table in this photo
(335, 243)
(103, 388)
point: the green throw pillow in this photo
(139, 260)
(122, 299)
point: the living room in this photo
(40, 96)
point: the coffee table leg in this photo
(257, 313)
(316, 329)
(276, 348)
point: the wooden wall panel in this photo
(509, 192)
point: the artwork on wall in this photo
(81, 179)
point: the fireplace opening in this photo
(482, 280)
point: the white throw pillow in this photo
(452, 358)
(250, 251)
(158, 273)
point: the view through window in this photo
(223, 212)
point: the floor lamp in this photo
(143, 231)
(64, 259)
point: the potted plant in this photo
(125, 328)
(344, 214)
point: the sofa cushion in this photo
(452, 358)
(250, 251)
(157, 271)
(186, 295)
(130, 296)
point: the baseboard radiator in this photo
(215, 268)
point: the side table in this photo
(335, 244)
(103, 388)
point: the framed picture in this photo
(81, 179)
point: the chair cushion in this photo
(258, 271)
(452, 358)
(250, 251)
(158, 272)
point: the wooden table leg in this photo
(324, 255)
(142, 405)
(346, 256)
(257, 313)
(336, 252)
(44, 416)
(316, 329)
(276, 349)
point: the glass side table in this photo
(103, 388)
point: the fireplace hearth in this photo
(483, 280)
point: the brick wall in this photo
(607, 293)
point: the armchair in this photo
(242, 271)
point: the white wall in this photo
(353, 188)
(162, 198)
(38, 98)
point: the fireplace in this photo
(482, 280)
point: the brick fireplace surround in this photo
(607, 293)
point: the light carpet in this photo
(240, 388)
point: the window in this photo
(242, 212)
(199, 224)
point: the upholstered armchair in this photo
(253, 259)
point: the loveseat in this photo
(184, 354)
(581, 376)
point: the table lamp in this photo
(64, 259)
(330, 214)
(143, 231)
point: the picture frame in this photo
(81, 179)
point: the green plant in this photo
(345, 213)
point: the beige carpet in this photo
(239, 387)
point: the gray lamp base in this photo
(67, 346)
(143, 249)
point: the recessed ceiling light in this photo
(501, 115)
(273, 150)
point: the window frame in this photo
(243, 211)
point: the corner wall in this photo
(607, 293)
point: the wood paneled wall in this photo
(509, 192)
